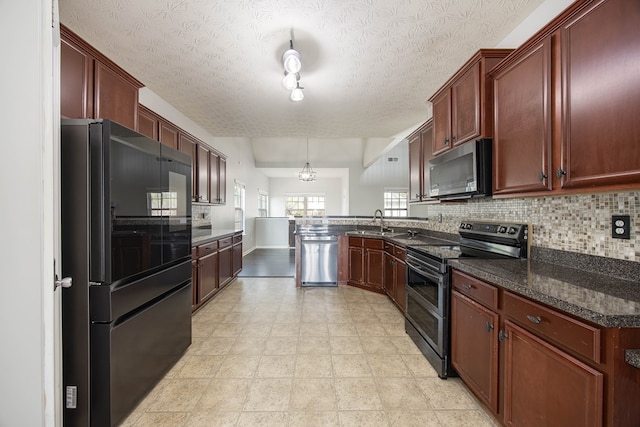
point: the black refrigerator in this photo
(126, 244)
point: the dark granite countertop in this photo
(600, 298)
(632, 357)
(204, 235)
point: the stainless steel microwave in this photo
(463, 172)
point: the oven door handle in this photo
(427, 273)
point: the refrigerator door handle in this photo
(62, 283)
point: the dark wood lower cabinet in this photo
(226, 266)
(474, 347)
(207, 276)
(545, 386)
(366, 263)
(395, 274)
(214, 265)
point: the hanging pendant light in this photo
(307, 174)
(296, 93)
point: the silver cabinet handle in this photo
(535, 319)
(488, 326)
(467, 287)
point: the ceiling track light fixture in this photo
(307, 174)
(292, 65)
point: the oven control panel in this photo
(490, 229)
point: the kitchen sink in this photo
(373, 233)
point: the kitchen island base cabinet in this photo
(395, 274)
(545, 386)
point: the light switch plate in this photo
(621, 227)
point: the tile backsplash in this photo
(201, 215)
(576, 223)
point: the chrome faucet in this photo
(375, 215)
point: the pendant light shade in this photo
(290, 80)
(291, 60)
(296, 94)
(307, 174)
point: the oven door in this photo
(427, 304)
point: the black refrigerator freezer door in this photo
(129, 358)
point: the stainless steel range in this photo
(427, 319)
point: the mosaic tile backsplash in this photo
(576, 223)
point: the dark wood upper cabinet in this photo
(116, 98)
(92, 86)
(420, 147)
(463, 107)
(415, 167)
(148, 123)
(601, 95)
(567, 104)
(168, 134)
(214, 174)
(522, 134)
(189, 146)
(76, 81)
(202, 175)
(222, 180)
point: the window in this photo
(305, 205)
(163, 203)
(395, 203)
(238, 203)
(263, 204)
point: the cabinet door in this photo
(441, 123)
(115, 98)
(168, 134)
(225, 259)
(522, 128)
(601, 95)
(207, 276)
(401, 284)
(147, 123)
(545, 386)
(465, 106)
(202, 173)
(427, 138)
(222, 180)
(194, 285)
(474, 347)
(76, 81)
(374, 268)
(355, 265)
(189, 146)
(214, 172)
(415, 168)
(237, 258)
(389, 275)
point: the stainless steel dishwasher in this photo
(319, 260)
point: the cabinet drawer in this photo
(207, 249)
(355, 241)
(223, 243)
(475, 289)
(389, 248)
(374, 243)
(400, 252)
(237, 238)
(563, 330)
(194, 252)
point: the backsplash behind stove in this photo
(576, 223)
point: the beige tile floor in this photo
(267, 354)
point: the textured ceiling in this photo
(368, 66)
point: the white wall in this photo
(26, 191)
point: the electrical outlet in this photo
(621, 227)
